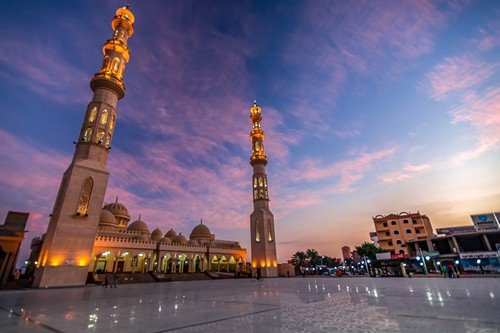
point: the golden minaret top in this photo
(257, 136)
(116, 53)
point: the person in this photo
(444, 270)
(450, 270)
(115, 280)
(259, 273)
(105, 282)
(287, 273)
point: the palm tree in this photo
(313, 256)
(299, 258)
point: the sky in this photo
(370, 107)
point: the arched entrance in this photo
(214, 264)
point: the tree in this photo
(299, 258)
(369, 250)
(314, 257)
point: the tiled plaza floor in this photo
(322, 304)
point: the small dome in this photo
(140, 226)
(193, 243)
(118, 210)
(156, 234)
(180, 239)
(201, 232)
(166, 240)
(107, 220)
(171, 234)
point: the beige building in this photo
(394, 230)
(11, 237)
(346, 252)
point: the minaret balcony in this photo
(105, 80)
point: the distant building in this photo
(11, 237)
(487, 221)
(355, 256)
(346, 252)
(374, 238)
(394, 230)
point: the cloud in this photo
(409, 170)
(456, 74)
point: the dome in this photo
(180, 239)
(117, 209)
(139, 225)
(171, 234)
(193, 243)
(201, 231)
(107, 220)
(156, 234)
(166, 240)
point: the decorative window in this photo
(406, 221)
(269, 231)
(398, 242)
(265, 182)
(255, 182)
(88, 134)
(115, 64)
(260, 182)
(104, 117)
(261, 194)
(266, 195)
(257, 235)
(414, 221)
(112, 123)
(393, 222)
(408, 231)
(108, 140)
(257, 146)
(417, 231)
(100, 136)
(92, 114)
(396, 232)
(255, 194)
(83, 202)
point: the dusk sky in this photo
(370, 107)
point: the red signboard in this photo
(398, 256)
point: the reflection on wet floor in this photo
(320, 304)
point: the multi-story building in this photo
(394, 230)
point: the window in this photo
(417, 231)
(115, 64)
(399, 242)
(257, 235)
(408, 231)
(393, 222)
(269, 231)
(385, 224)
(100, 136)
(389, 243)
(83, 202)
(88, 134)
(255, 182)
(414, 221)
(265, 182)
(112, 123)
(260, 182)
(396, 232)
(108, 140)
(104, 117)
(387, 233)
(255, 194)
(401, 252)
(406, 221)
(92, 114)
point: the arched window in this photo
(104, 117)
(92, 114)
(265, 182)
(385, 224)
(88, 134)
(100, 136)
(389, 243)
(257, 235)
(387, 233)
(260, 182)
(270, 232)
(255, 182)
(83, 202)
(396, 232)
(115, 64)
(255, 194)
(393, 222)
(417, 231)
(401, 252)
(414, 221)
(112, 123)
(408, 231)
(406, 221)
(398, 242)
(108, 140)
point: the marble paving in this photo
(313, 304)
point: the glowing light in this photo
(457, 262)
(418, 258)
(427, 258)
(439, 263)
(478, 261)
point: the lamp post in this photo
(423, 261)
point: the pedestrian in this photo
(450, 270)
(115, 280)
(444, 270)
(105, 282)
(287, 273)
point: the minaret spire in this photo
(261, 220)
(78, 206)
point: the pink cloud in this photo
(409, 170)
(456, 74)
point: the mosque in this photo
(85, 236)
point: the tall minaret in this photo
(263, 240)
(67, 248)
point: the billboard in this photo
(488, 221)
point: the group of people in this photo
(450, 271)
(112, 283)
